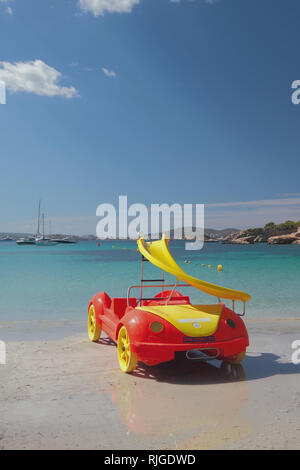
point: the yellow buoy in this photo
(209, 266)
(220, 267)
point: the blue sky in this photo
(186, 102)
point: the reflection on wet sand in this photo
(187, 404)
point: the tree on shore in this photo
(270, 226)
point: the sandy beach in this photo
(58, 391)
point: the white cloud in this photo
(34, 77)
(251, 213)
(99, 7)
(8, 8)
(260, 203)
(109, 73)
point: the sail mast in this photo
(39, 220)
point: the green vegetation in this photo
(270, 226)
(287, 226)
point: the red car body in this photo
(151, 348)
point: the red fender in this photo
(100, 301)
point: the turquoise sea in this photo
(51, 283)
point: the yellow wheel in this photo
(127, 359)
(237, 359)
(94, 328)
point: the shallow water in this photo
(45, 283)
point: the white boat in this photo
(42, 240)
(26, 241)
(65, 241)
(39, 239)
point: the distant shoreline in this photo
(210, 235)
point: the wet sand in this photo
(58, 391)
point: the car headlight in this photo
(230, 323)
(156, 327)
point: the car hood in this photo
(191, 320)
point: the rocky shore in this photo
(283, 234)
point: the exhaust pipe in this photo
(189, 354)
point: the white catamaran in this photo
(43, 240)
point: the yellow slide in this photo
(158, 254)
